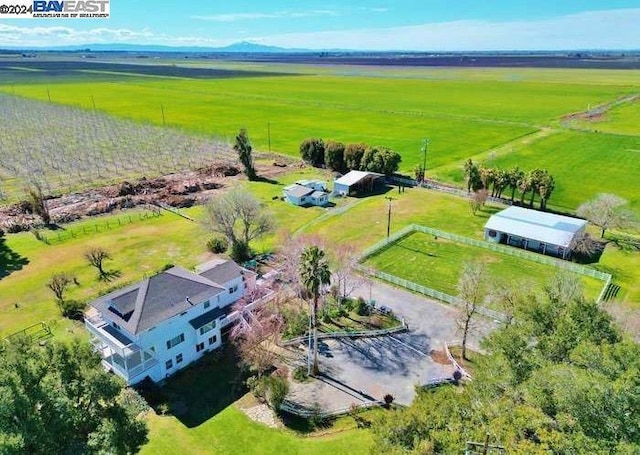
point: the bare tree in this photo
(586, 246)
(345, 257)
(58, 284)
(607, 211)
(470, 296)
(565, 287)
(240, 217)
(477, 199)
(509, 297)
(95, 257)
(255, 333)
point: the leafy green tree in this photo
(334, 156)
(353, 154)
(38, 202)
(515, 175)
(472, 176)
(312, 151)
(244, 149)
(58, 399)
(314, 275)
(546, 185)
(558, 379)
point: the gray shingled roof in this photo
(296, 190)
(220, 271)
(157, 298)
(207, 317)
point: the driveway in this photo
(368, 368)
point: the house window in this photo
(183, 313)
(116, 326)
(207, 304)
(213, 340)
(207, 327)
(168, 364)
(233, 289)
(199, 347)
(175, 341)
(179, 358)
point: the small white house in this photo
(307, 192)
(542, 232)
(163, 323)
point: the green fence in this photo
(503, 249)
(73, 232)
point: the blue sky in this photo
(383, 25)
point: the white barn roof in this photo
(541, 226)
(353, 177)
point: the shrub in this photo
(348, 304)
(277, 389)
(388, 399)
(362, 309)
(240, 252)
(72, 309)
(217, 245)
(334, 155)
(312, 151)
(300, 374)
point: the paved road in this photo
(372, 367)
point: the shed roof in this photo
(296, 190)
(541, 226)
(353, 177)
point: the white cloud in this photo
(612, 29)
(235, 17)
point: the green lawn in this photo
(438, 263)
(203, 418)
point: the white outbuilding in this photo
(542, 232)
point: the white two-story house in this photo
(163, 323)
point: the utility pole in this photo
(425, 146)
(93, 102)
(162, 110)
(388, 198)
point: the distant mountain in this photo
(240, 47)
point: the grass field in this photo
(607, 163)
(622, 119)
(438, 263)
(465, 113)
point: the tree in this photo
(536, 178)
(59, 399)
(314, 275)
(353, 154)
(95, 257)
(586, 247)
(58, 284)
(38, 202)
(472, 176)
(545, 187)
(345, 257)
(470, 295)
(238, 216)
(478, 199)
(312, 151)
(253, 333)
(244, 149)
(607, 211)
(558, 379)
(515, 175)
(334, 156)
(525, 184)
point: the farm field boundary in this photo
(447, 298)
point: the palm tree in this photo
(515, 176)
(314, 274)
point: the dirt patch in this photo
(439, 357)
(179, 190)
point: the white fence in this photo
(503, 249)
